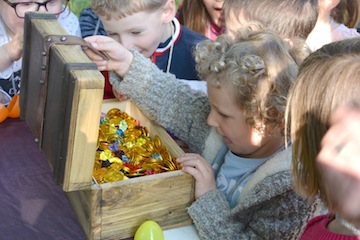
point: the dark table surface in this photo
(31, 205)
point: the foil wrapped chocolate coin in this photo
(125, 150)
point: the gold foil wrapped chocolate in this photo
(125, 149)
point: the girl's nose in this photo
(42, 9)
(211, 120)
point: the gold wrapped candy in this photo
(125, 149)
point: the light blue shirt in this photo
(234, 174)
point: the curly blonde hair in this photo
(258, 67)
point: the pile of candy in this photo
(125, 149)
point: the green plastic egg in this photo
(149, 230)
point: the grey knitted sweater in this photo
(268, 207)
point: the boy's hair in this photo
(122, 8)
(193, 14)
(289, 18)
(347, 12)
(329, 77)
(257, 67)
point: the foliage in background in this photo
(77, 5)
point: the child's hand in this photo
(14, 48)
(120, 58)
(201, 170)
(11, 51)
(339, 160)
(119, 95)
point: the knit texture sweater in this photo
(268, 207)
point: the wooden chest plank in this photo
(64, 117)
(61, 92)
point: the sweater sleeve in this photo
(167, 101)
(273, 211)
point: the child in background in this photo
(337, 20)
(291, 19)
(298, 17)
(202, 16)
(248, 80)
(150, 27)
(331, 74)
(12, 15)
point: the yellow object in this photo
(149, 230)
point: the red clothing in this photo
(214, 31)
(316, 230)
(108, 93)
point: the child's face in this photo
(214, 8)
(15, 24)
(228, 119)
(12, 22)
(142, 31)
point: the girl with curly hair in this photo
(242, 170)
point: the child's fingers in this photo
(196, 172)
(188, 156)
(92, 55)
(192, 171)
(193, 164)
(188, 161)
(103, 43)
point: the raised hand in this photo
(11, 51)
(119, 60)
(339, 160)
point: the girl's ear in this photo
(328, 5)
(169, 11)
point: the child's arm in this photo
(163, 98)
(11, 51)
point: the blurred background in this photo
(77, 5)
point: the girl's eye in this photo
(136, 33)
(25, 4)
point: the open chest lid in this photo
(60, 99)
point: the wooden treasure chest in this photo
(61, 101)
